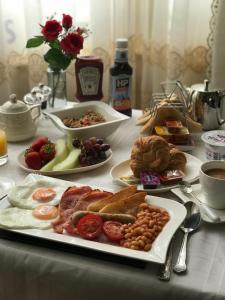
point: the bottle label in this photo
(89, 80)
(121, 92)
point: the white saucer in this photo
(5, 185)
(198, 192)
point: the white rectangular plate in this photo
(158, 252)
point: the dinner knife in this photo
(164, 271)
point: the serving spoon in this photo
(186, 188)
(190, 224)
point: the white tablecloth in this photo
(30, 270)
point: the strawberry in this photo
(33, 160)
(38, 143)
(28, 150)
(47, 151)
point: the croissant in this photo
(149, 153)
(177, 160)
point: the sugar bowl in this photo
(18, 119)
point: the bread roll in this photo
(177, 160)
(149, 153)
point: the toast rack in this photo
(173, 95)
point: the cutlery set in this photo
(191, 224)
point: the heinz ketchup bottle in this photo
(121, 79)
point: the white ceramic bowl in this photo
(102, 130)
(214, 144)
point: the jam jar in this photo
(89, 74)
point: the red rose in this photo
(51, 30)
(67, 21)
(72, 43)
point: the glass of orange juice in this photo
(3, 148)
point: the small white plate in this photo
(191, 174)
(22, 164)
(198, 192)
(159, 248)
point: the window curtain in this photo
(168, 40)
(217, 45)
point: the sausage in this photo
(123, 218)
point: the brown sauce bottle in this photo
(121, 79)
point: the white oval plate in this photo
(22, 164)
(191, 174)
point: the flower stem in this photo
(55, 81)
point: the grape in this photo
(105, 147)
(99, 141)
(76, 143)
(92, 151)
(90, 160)
(83, 160)
(97, 147)
(95, 154)
(102, 155)
(93, 140)
(87, 144)
(89, 152)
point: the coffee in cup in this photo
(212, 179)
(216, 173)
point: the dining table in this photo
(37, 269)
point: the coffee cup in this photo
(212, 179)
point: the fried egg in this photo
(26, 196)
(17, 218)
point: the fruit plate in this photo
(159, 248)
(22, 164)
(123, 169)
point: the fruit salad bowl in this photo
(112, 119)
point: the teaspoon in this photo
(187, 189)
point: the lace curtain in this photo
(167, 41)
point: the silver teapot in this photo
(205, 106)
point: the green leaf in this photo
(35, 42)
(57, 59)
(54, 44)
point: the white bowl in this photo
(101, 130)
(214, 144)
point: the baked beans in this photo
(149, 223)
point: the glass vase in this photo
(57, 82)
